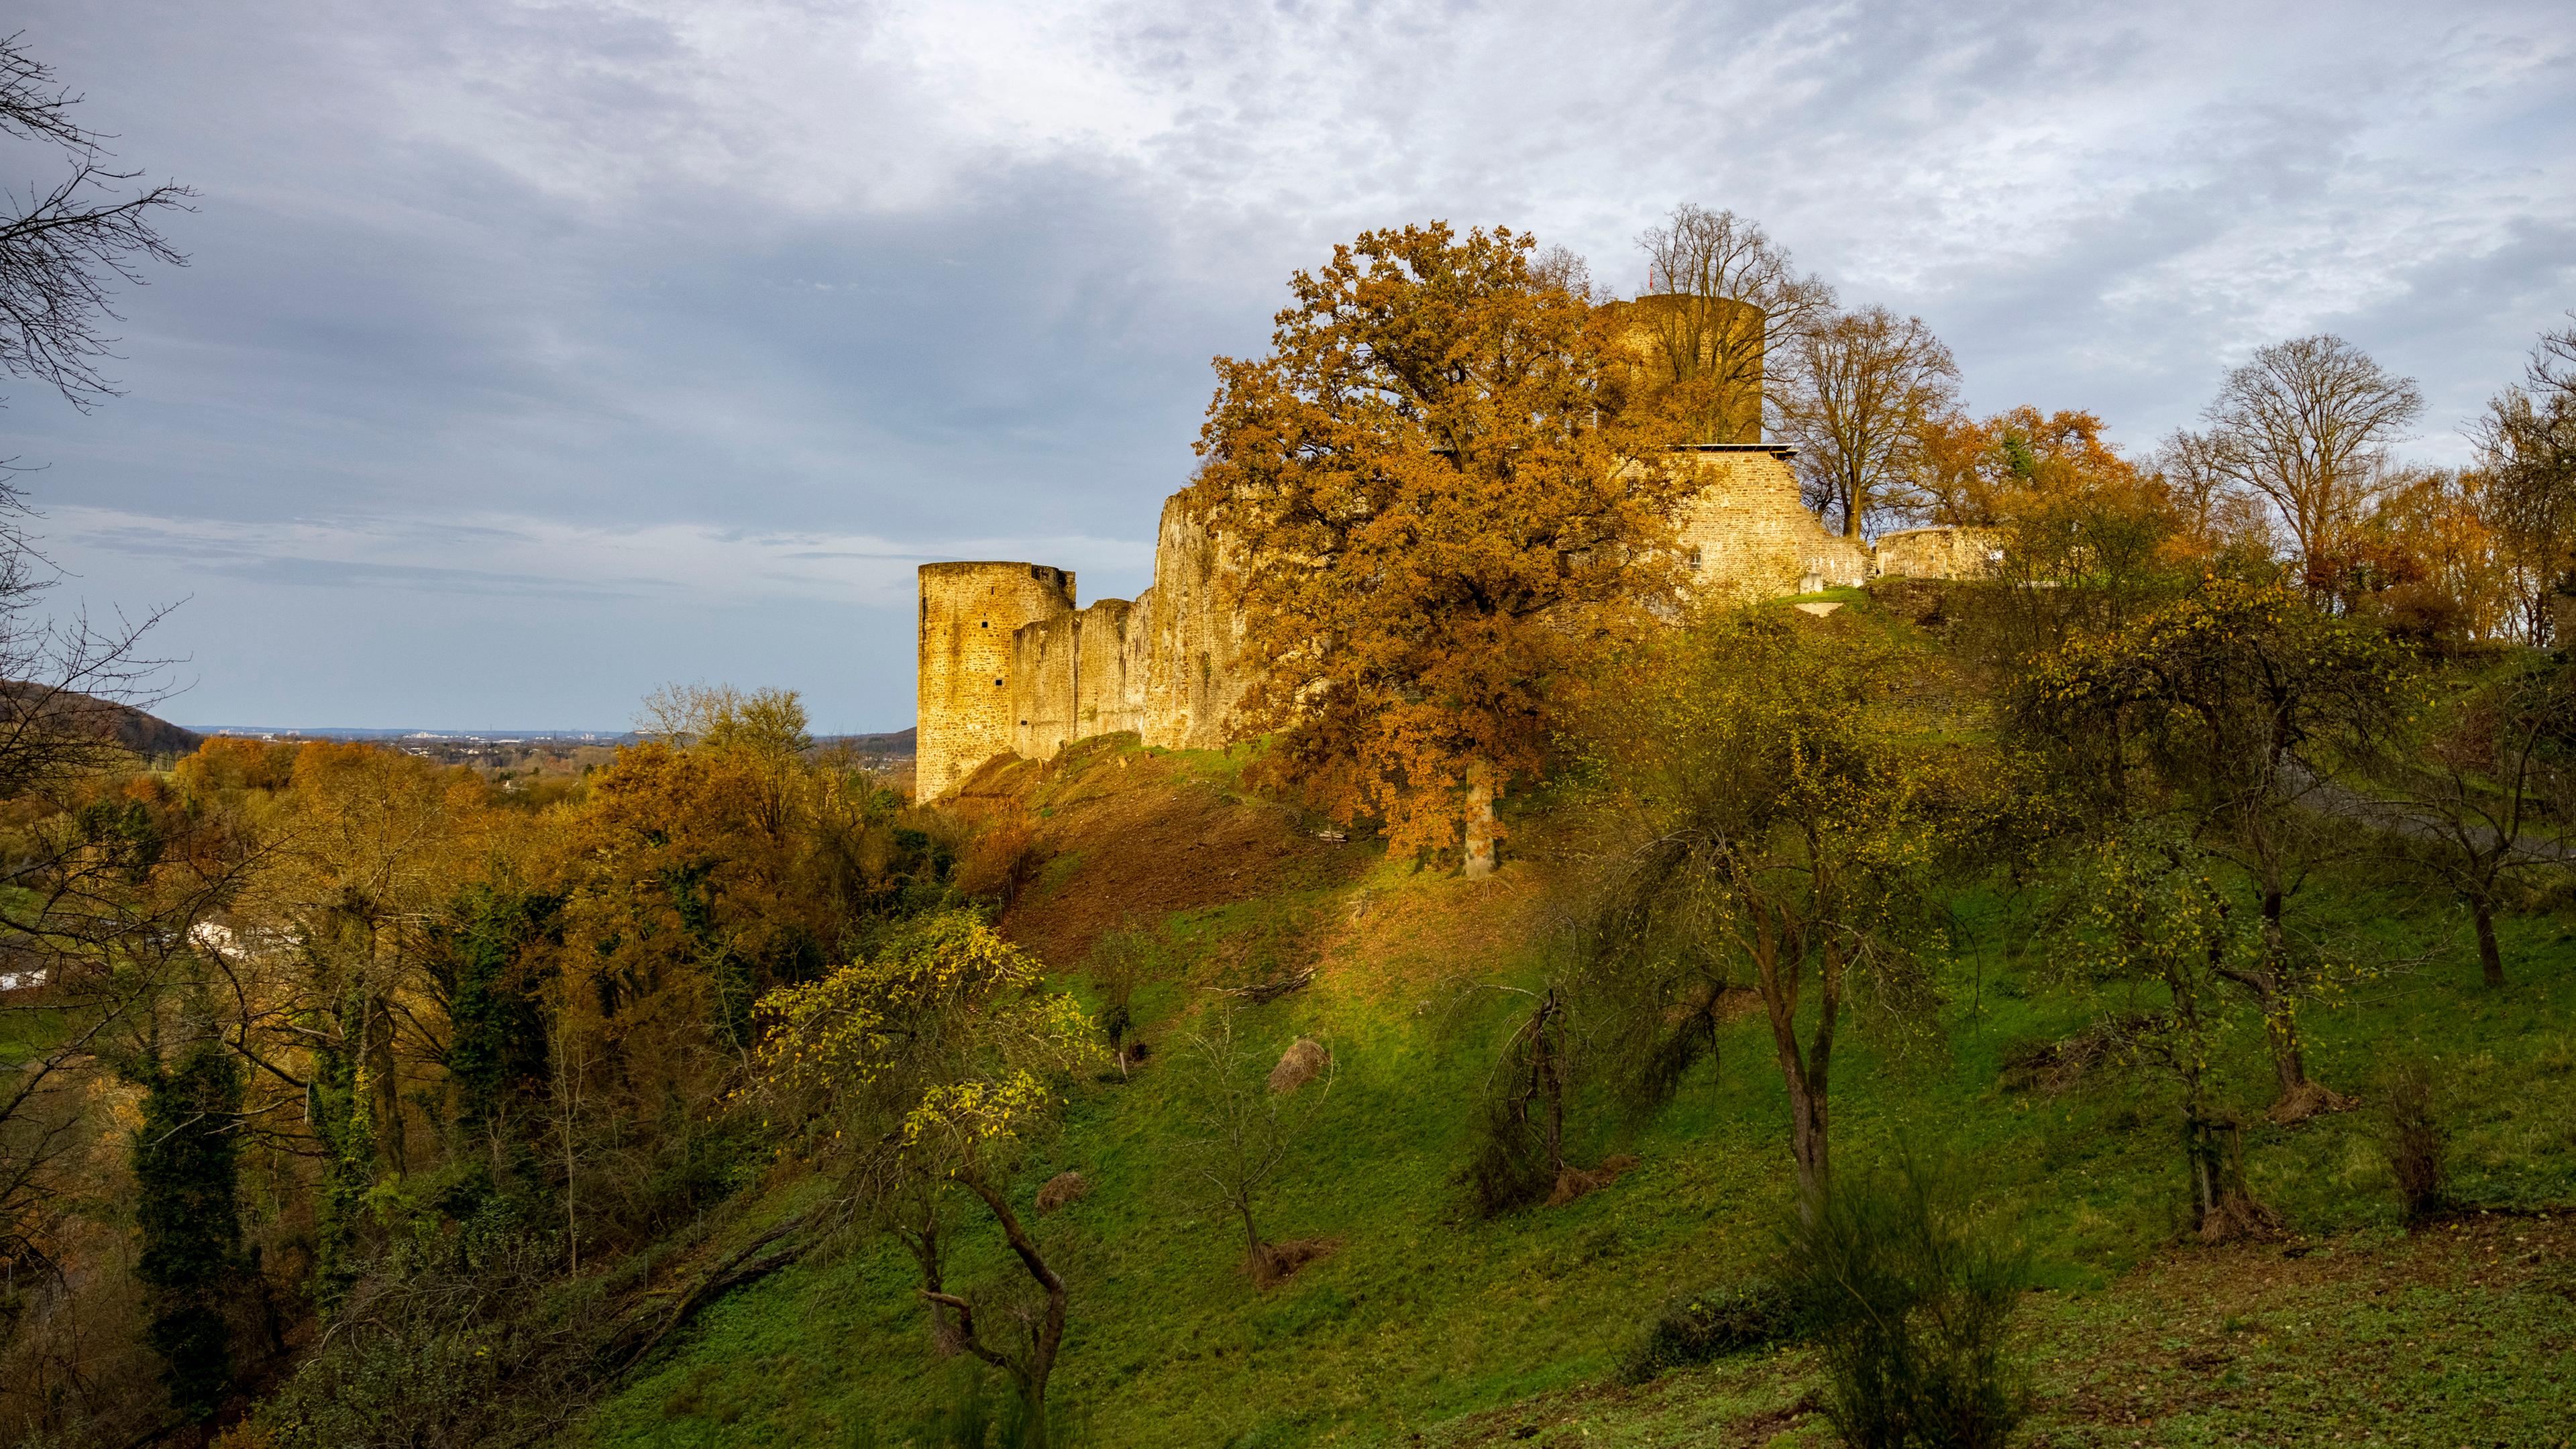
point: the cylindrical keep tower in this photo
(968, 613)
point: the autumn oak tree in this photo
(1442, 511)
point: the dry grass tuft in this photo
(1304, 1060)
(1276, 1263)
(1574, 1182)
(2310, 1100)
(1062, 1190)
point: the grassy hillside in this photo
(1429, 1326)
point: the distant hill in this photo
(145, 734)
(895, 745)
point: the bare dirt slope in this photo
(1122, 835)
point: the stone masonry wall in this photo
(1008, 665)
(1104, 700)
(1936, 553)
(1192, 678)
(1046, 664)
(1746, 536)
(1167, 666)
(969, 613)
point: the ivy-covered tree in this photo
(2152, 931)
(488, 979)
(2235, 705)
(1760, 817)
(187, 1205)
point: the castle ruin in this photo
(1011, 665)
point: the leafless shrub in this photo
(2413, 1140)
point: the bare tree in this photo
(64, 245)
(1725, 300)
(2306, 423)
(1865, 384)
(1565, 268)
(1244, 1134)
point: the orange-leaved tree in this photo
(1440, 505)
(2080, 538)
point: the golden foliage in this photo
(943, 1037)
(1442, 508)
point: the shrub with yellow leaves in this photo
(918, 1072)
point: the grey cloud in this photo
(335, 575)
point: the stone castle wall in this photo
(1166, 665)
(970, 615)
(1746, 536)
(1937, 553)
(1010, 666)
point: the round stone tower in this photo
(968, 614)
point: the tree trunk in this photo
(1479, 861)
(2300, 1097)
(2280, 1027)
(2490, 957)
(2202, 1146)
(1802, 1072)
(1807, 1142)
(1552, 1081)
(1555, 1126)
(2289, 1060)
(924, 1245)
(1046, 1336)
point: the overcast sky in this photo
(531, 355)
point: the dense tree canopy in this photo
(1435, 514)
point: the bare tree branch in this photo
(64, 247)
(1722, 303)
(2306, 423)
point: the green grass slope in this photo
(1430, 1326)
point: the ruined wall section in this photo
(1168, 665)
(1938, 553)
(1070, 681)
(1193, 647)
(1008, 665)
(1046, 661)
(965, 706)
(1105, 700)
(1746, 536)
